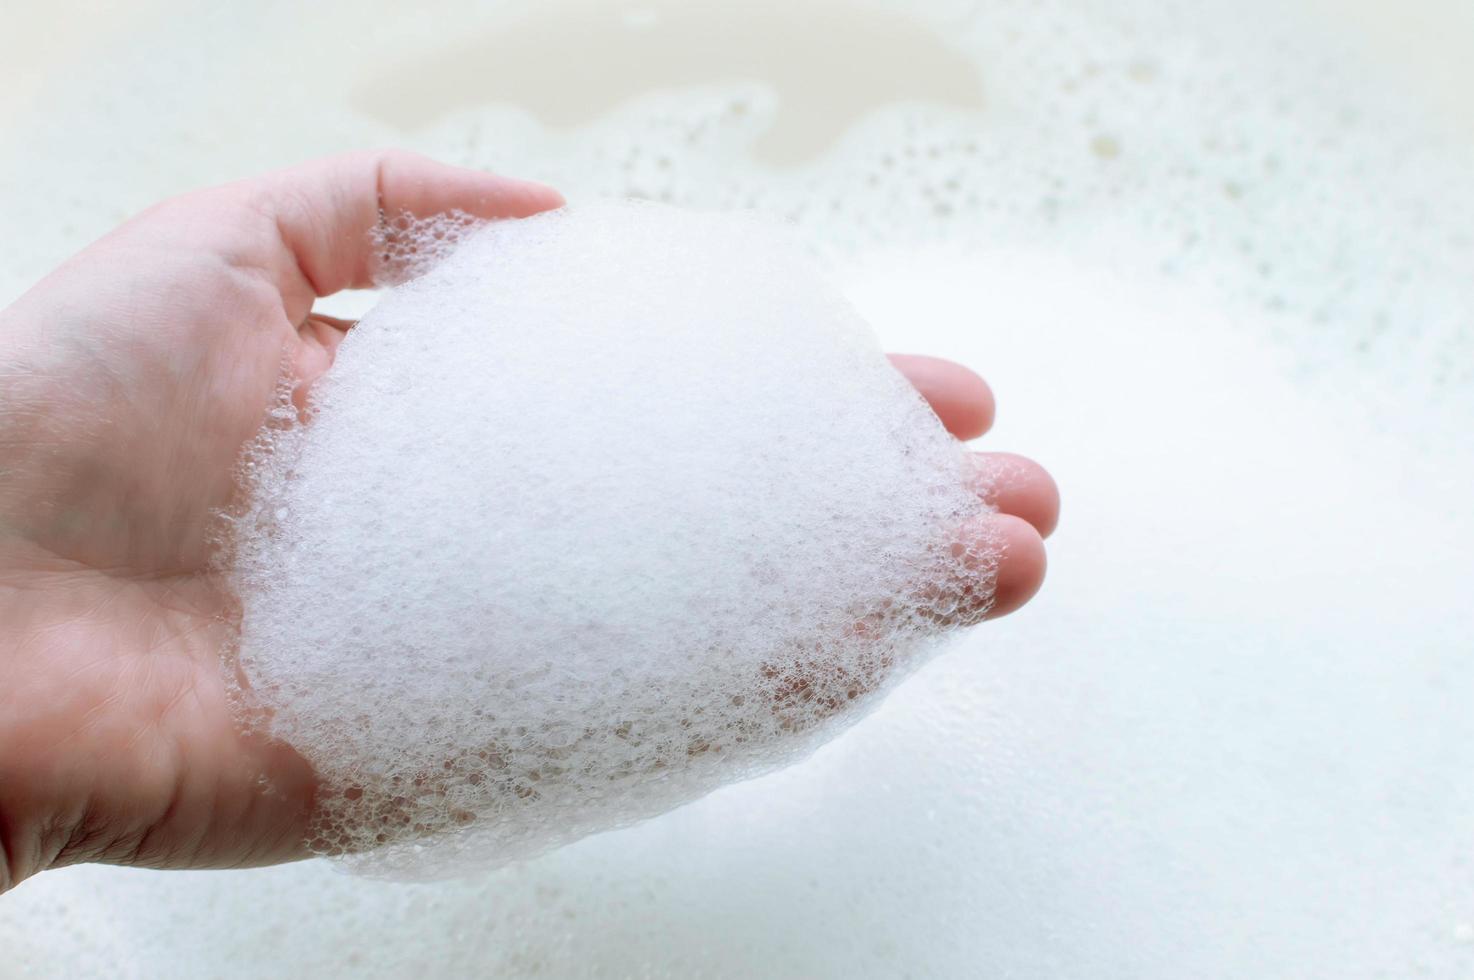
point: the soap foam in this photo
(612, 506)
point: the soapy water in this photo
(1219, 278)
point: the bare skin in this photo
(130, 378)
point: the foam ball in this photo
(611, 506)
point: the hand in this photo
(130, 379)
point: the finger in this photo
(321, 334)
(1020, 566)
(326, 211)
(1005, 562)
(326, 330)
(1019, 486)
(961, 399)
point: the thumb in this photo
(326, 211)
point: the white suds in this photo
(613, 506)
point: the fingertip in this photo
(512, 197)
(325, 211)
(961, 399)
(1019, 486)
(1021, 564)
(1005, 554)
(544, 197)
(421, 186)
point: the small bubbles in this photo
(508, 645)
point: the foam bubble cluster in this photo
(612, 506)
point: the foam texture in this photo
(613, 506)
(1217, 272)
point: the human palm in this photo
(130, 380)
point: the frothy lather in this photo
(610, 507)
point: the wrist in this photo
(9, 874)
(19, 845)
(35, 833)
(34, 826)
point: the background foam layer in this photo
(613, 505)
(1214, 261)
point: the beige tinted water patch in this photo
(568, 64)
(1191, 142)
(36, 39)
